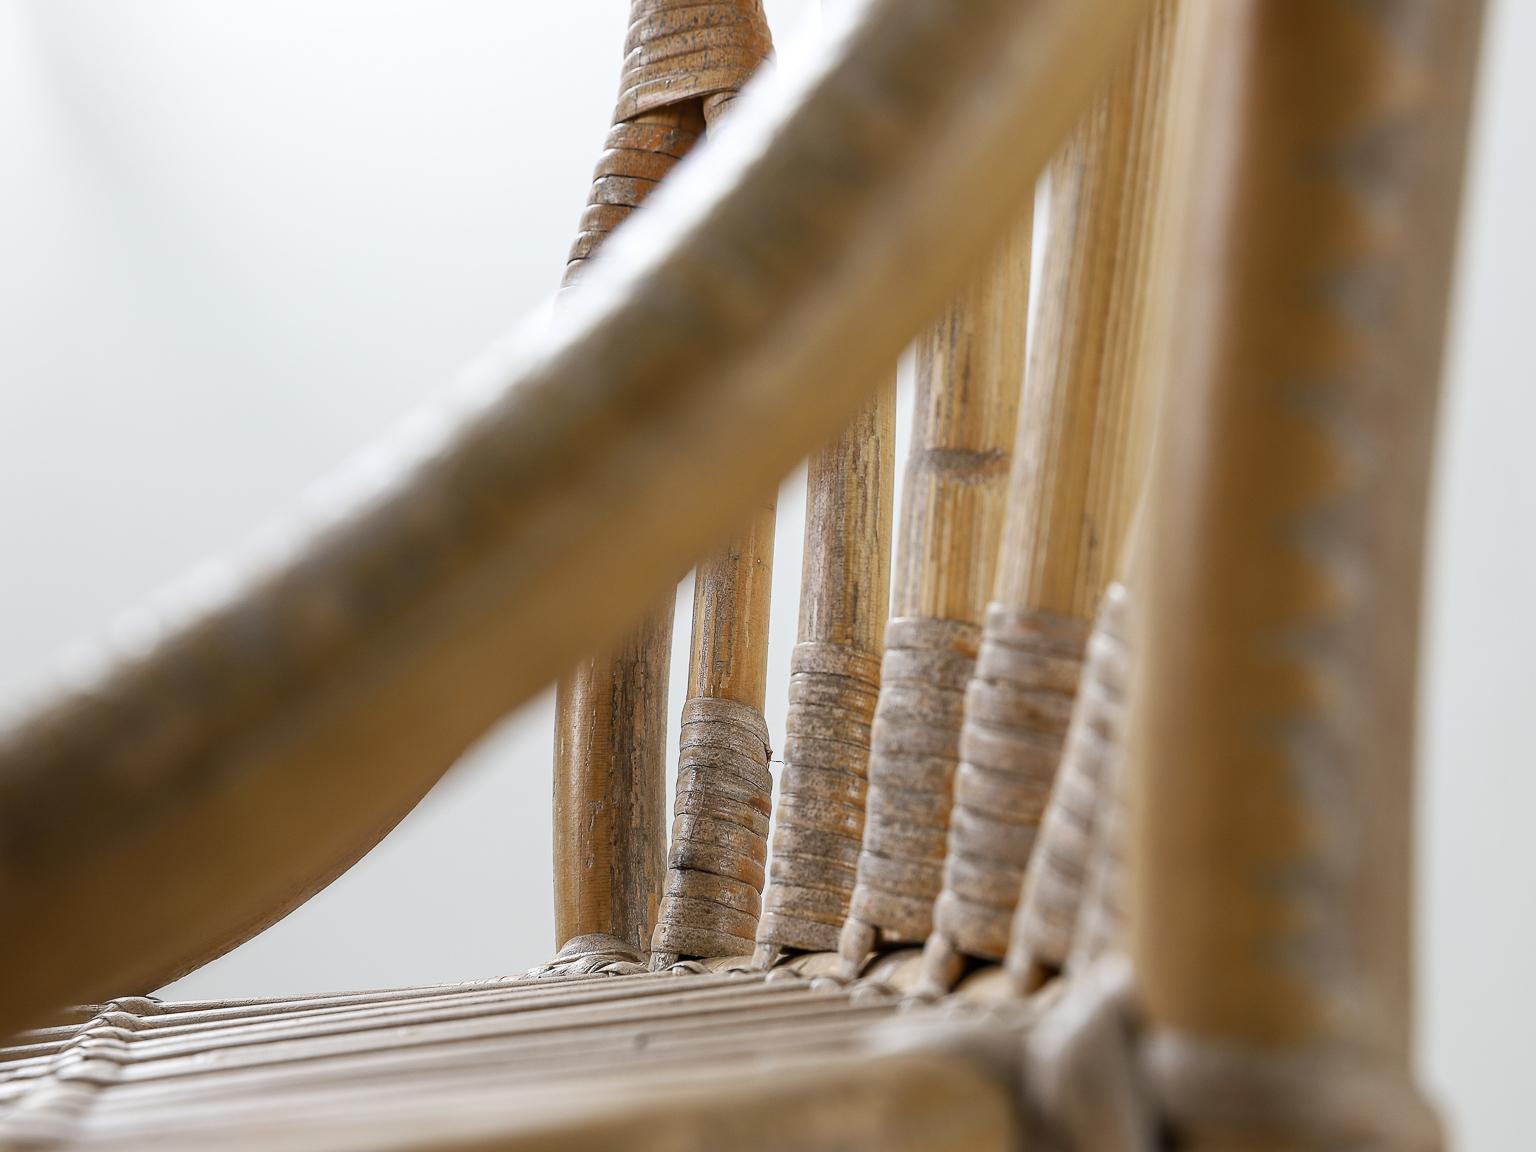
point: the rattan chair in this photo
(1093, 826)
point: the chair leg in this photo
(1272, 731)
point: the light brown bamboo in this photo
(273, 731)
(970, 369)
(834, 682)
(610, 788)
(1273, 717)
(715, 867)
(611, 710)
(931, 1102)
(1077, 473)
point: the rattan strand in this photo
(1018, 705)
(820, 820)
(914, 752)
(1053, 887)
(715, 868)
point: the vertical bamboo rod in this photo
(724, 791)
(1077, 474)
(611, 711)
(970, 368)
(834, 683)
(1272, 733)
(610, 788)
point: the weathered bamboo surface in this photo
(719, 851)
(610, 787)
(274, 724)
(970, 369)
(1076, 472)
(1078, 465)
(1273, 721)
(517, 1059)
(683, 61)
(834, 683)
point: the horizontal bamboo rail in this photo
(277, 720)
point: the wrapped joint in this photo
(1018, 706)
(1054, 884)
(679, 50)
(715, 870)
(915, 748)
(636, 156)
(833, 691)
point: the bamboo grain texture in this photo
(1078, 469)
(683, 61)
(1272, 729)
(834, 683)
(970, 369)
(719, 850)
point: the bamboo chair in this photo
(1099, 841)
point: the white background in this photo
(240, 239)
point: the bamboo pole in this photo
(610, 846)
(1273, 718)
(715, 869)
(834, 683)
(970, 368)
(1077, 474)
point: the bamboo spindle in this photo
(834, 682)
(970, 368)
(1077, 473)
(1272, 726)
(683, 64)
(724, 790)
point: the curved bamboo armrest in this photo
(205, 782)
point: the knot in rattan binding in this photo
(833, 691)
(1053, 888)
(1017, 708)
(915, 746)
(719, 849)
